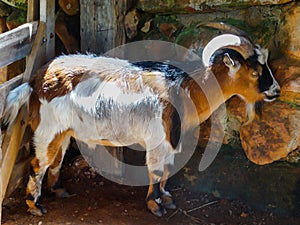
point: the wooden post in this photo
(47, 15)
(11, 143)
(102, 29)
(32, 10)
(101, 25)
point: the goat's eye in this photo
(255, 74)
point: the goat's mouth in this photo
(270, 97)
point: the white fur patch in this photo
(15, 99)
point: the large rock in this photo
(274, 136)
(194, 6)
(289, 33)
(288, 75)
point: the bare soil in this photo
(95, 200)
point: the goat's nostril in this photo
(277, 91)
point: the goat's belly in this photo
(111, 133)
(120, 126)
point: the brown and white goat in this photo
(81, 96)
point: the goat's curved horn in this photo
(240, 44)
(224, 27)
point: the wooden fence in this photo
(35, 41)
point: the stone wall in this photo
(272, 24)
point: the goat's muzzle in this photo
(273, 93)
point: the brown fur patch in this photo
(55, 146)
(31, 204)
(105, 143)
(172, 124)
(34, 111)
(52, 178)
(35, 165)
(54, 80)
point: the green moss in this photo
(186, 36)
(241, 24)
(262, 34)
(266, 31)
(159, 19)
(292, 104)
(19, 16)
(20, 4)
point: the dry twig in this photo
(186, 212)
(202, 206)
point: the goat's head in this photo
(242, 67)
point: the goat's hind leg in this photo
(46, 152)
(53, 179)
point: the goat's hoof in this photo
(61, 193)
(155, 208)
(168, 202)
(37, 211)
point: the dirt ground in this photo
(95, 200)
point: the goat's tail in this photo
(15, 99)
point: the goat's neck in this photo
(206, 94)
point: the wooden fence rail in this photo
(17, 43)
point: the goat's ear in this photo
(229, 62)
(263, 58)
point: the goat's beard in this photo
(258, 107)
(253, 110)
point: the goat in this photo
(77, 96)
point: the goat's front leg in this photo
(154, 201)
(167, 199)
(33, 190)
(46, 152)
